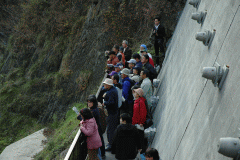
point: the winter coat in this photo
(127, 92)
(128, 54)
(111, 100)
(114, 61)
(139, 111)
(126, 142)
(90, 129)
(123, 59)
(147, 90)
(120, 78)
(139, 65)
(103, 121)
(152, 71)
(151, 62)
(119, 55)
(96, 115)
(100, 95)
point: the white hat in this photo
(108, 81)
(132, 61)
(125, 71)
(135, 78)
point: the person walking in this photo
(89, 127)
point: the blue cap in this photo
(144, 46)
(118, 65)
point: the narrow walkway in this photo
(109, 156)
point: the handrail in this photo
(72, 145)
(100, 87)
(79, 131)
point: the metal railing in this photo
(73, 152)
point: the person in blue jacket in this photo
(127, 84)
(111, 104)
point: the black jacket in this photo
(128, 54)
(160, 31)
(111, 100)
(126, 142)
(152, 71)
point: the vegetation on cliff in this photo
(52, 54)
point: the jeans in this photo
(99, 154)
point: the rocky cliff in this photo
(52, 52)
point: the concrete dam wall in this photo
(192, 115)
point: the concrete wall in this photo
(192, 114)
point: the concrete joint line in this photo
(190, 119)
(226, 35)
(205, 84)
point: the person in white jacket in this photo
(146, 86)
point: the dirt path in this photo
(25, 148)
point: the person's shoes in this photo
(108, 149)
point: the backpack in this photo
(132, 83)
(149, 121)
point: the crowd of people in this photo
(125, 102)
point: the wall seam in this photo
(205, 85)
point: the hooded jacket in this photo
(111, 100)
(139, 111)
(96, 115)
(90, 129)
(149, 67)
(127, 92)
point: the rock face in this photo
(52, 52)
(192, 115)
(25, 148)
(53, 55)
